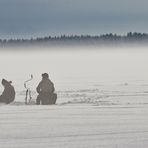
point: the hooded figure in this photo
(46, 89)
(8, 95)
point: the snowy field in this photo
(107, 117)
(102, 99)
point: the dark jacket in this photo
(45, 86)
(8, 94)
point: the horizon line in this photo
(72, 35)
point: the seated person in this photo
(46, 89)
(8, 95)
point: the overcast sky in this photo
(32, 18)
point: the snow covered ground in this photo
(102, 99)
(105, 117)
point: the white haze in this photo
(70, 68)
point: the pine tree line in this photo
(80, 39)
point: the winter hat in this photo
(4, 81)
(45, 75)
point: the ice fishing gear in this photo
(28, 91)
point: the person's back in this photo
(46, 91)
(8, 94)
(45, 86)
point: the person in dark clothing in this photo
(46, 89)
(8, 95)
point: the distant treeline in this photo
(131, 37)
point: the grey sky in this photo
(32, 18)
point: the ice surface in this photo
(102, 100)
(74, 126)
(105, 117)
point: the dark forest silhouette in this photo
(80, 40)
